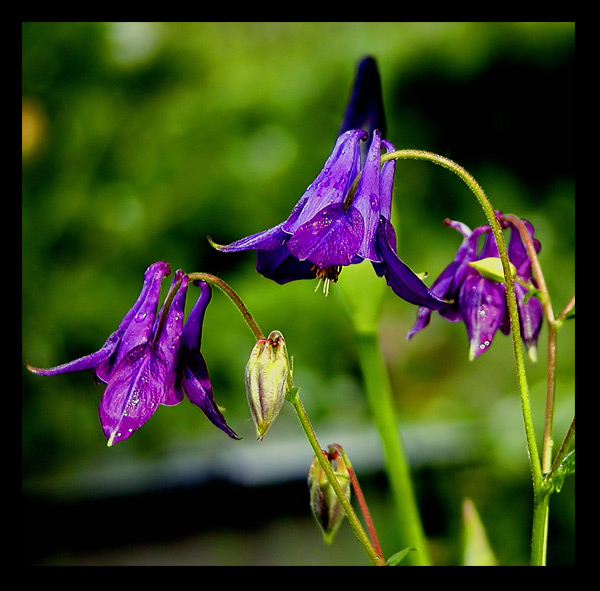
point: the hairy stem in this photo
(540, 517)
(375, 557)
(233, 296)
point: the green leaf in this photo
(476, 547)
(396, 558)
(566, 467)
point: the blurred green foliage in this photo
(141, 139)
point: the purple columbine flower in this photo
(151, 359)
(480, 302)
(344, 216)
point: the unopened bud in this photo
(267, 374)
(491, 268)
(324, 503)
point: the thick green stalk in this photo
(407, 523)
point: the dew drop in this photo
(374, 201)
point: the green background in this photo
(140, 140)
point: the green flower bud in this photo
(491, 268)
(324, 503)
(267, 374)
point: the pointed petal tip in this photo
(215, 244)
(532, 353)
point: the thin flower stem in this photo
(375, 557)
(540, 489)
(233, 296)
(510, 291)
(360, 497)
(547, 441)
(565, 313)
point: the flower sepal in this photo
(491, 268)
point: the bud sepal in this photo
(268, 378)
(324, 503)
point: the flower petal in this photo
(123, 337)
(197, 386)
(531, 315)
(192, 331)
(133, 394)
(281, 266)
(267, 239)
(332, 237)
(168, 339)
(482, 302)
(403, 281)
(367, 199)
(334, 180)
(194, 379)
(136, 327)
(386, 183)
(365, 107)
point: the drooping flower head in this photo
(152, 358)
(480, 301)
(344, 216)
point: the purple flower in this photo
(344, 215)
(480, 302)
(151, 359)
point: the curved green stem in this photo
(547, 441)
(539, 532)
(233, 296)
(294, 398)
(375, 558)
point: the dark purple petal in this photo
(423, 319)
(192, 331)
(136, 328)
(153, 275)
(531, 315)
(268, 239)
(123, 339)
(135, 390)
(367, 199)
(517, 252)
(365, 107)
(489, 248)
(281, 266)
(197, 386)
(332, 237)
(334, 180)
(386, 184)
(168, 339)
(88, 362)
(483, 306)
(403, 281)
(194, 379)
